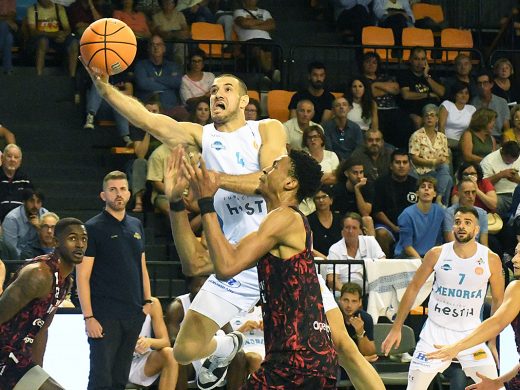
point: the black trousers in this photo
(354, 19)
(111, 355)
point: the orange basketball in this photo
(108, 45)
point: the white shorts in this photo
(33, 379)
(137, 376)
(476, 356)
(222, 301)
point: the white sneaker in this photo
(89, 123)
(277, 76)
(406, 358)
(214, 369)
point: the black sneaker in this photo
(214, 369)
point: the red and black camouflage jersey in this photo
(297, 335)
(17, 335)
(514, 384)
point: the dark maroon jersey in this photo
(514, 384)
(17, 334)
(297, 335)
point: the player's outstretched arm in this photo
(487, 330)
(162, 127)
(494, 384)
(33, 282)
(393, 339)
(274, 140)
(193, 255)
(360, 371)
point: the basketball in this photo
(108, 46)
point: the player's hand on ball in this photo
(95, 74)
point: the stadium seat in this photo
(417, 37)
(203, 31)
(455, 38)
(277, 104)
(338, 94)
(253, 94)
(388, 374)
(378, 36)
(433, 11)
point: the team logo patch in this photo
(233, 283)
(137, 236)
(446, 267)
(218, 145)
(479, 270)
(479, 355)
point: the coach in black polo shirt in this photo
(113, 286)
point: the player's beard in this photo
(465, 239)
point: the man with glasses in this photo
(487, 99)
(46, 243)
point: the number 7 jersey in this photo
(459, 289)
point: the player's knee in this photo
(183, 353)
(167, 356)
(254, 360)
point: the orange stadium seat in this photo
(423, 10)
(277, 104)
(417, 37)
(378, 36)
(338, 94)
(253, 94)
(209, 32)
(455, 38)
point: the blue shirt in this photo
(18, 231)
(342, 141)
(420, 230)
(164, 80)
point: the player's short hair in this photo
(467, 210)
(352, 288)
(114, 175)
(242, 86)
(307, 171)
(64, 223)
(427, 179)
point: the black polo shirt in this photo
(345, 201)
(368, 326)
(397, 196)
(11, 191)
(116, 281)
(321, 103)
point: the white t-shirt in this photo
(354, 115)
(294, 133)
(458, 120)
(492, 164)
(368, 249)
(247, 34)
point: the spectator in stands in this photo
(49, 27)
(455, 114)
(487, 99)
(94, 102)
(501, 168)
(373, 155)
(144, 145)
(45, 243)
(20, 226)
(503, 85)
(7, 251)
(82, 13)
(467, 190)
(136, 20)
(171, 24)
(462, 74)
(430, 153)
(313, 141)
(6, 137)
(352, 246)
(418, 88)
(295, 127)
(253, 24)
(158, 75)
(155, 175)
(200, 112)
(153, 354)
(224, 14)
(394, 14)
(352, 192)
(486, 195)
(325, 225)
(316, 93)
(351, 16)
(513, 133)
(12, 180)
(400, 192)
(196, 83)
(148, 7)
(252, 110)
(420, 225)
(195, 11)
(364, 108)
(477, 142)
(8, 26)
(392, 120)
(341, 135)
(359, 324)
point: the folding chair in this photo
(202, 31)
(378, 36)
(455, 38)
(417, 37)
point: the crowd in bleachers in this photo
(399, 148)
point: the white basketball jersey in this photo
(254, 338)
(235, 153)
(459, 289)
(185, 302)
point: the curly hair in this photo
(307, 171)
(366, 99)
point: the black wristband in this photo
(88, 317)
(147, 301)
(206, 205)
(177, 206)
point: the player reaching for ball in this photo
(235, 150)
